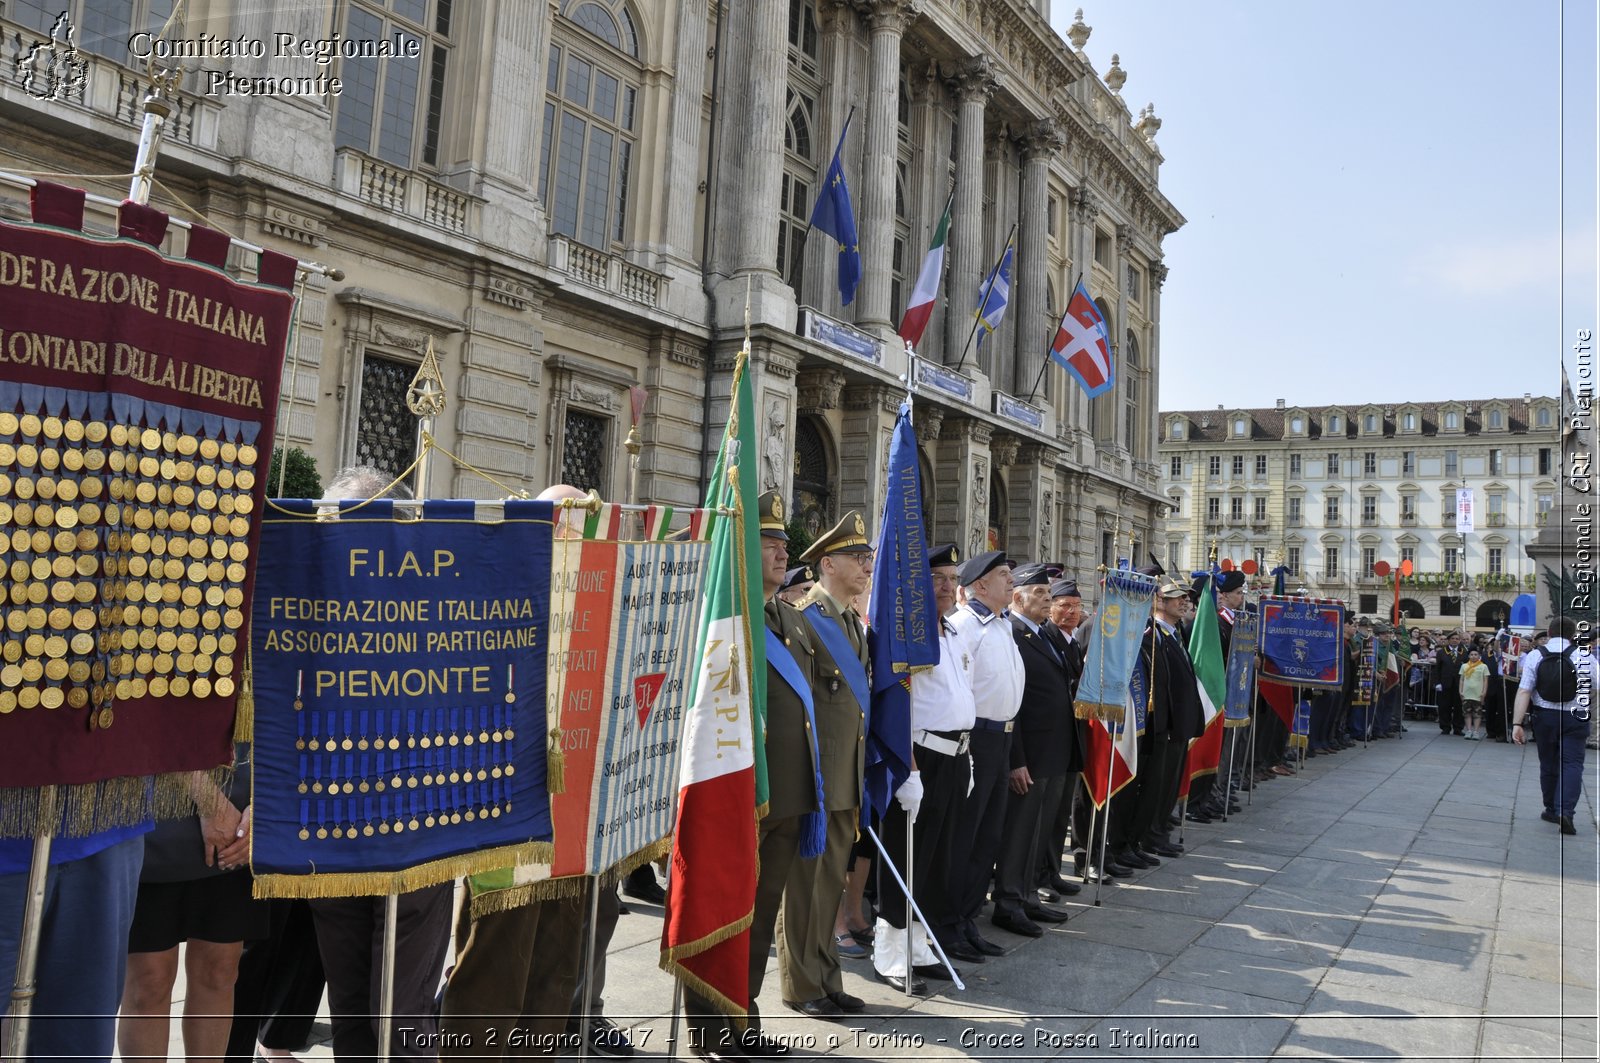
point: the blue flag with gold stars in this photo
(834, 215)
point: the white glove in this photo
(910, 795)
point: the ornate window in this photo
(902, 232)
(1330, 562)
(1259, 513)
(1330, 511)
(812, 501)
(1369, 463)
(1131, 434)
(1261, 466)
(1214, 466)
(1295, 465)
(591, 96)
(584, 453)
(1237, 466)
(800, 168)
(1292, 560)
(393, 108)
(1176, 466)
(101, 26)
(1333, 464)
(386, 437)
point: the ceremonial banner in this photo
(1242, 646)
(1211, 678)
(1366, 672)
(623, 621)
(903, 636)
(1111, 754)
(399, 670)
(1302, 642)
(1124, 611)
(137, 399)
(1300, 732)
(705, 938)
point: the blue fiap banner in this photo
(399, 696)
(1124, 610)
(1242, 646)
(1302, 642)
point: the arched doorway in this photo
(1412, 609)
(995, 538)
(1492, 613)
(813, 498)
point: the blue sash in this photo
(813, 828)
(831, 632)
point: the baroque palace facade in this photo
(1331, 490)
(573, 199)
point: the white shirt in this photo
(997, 673)
(941, 698)
(1583, 661)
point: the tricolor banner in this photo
(1205, 650)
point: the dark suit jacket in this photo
(791, 778)
(841, 722)
(1046, 742)
(1175, 696)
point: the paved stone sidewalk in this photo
(1402, 902)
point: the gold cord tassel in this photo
(555, 764)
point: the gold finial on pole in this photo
(426, 399)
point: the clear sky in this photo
(1374, 192)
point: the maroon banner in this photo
(137, 400)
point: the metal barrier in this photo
(1422, 701)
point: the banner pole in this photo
(1088, 842)
(1250, 758)
(391, 919)
(1105, 830)
(912, 904)
(988, 287)
(677, 1014)
(586, 1011)
(910, 864)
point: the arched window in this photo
(393, 108)
(796, 193)
(591, 96)
(1130, 395)
(996, 537)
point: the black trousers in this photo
(944, 791)
(609, 909)
(1058, 822)
(1016, 874)
(1158, 787)
(279, 988)
(981, 823)
(350, 937)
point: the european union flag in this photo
(834, 215)
(903, 637)
(996, 294)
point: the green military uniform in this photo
(808, 958)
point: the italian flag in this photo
(1111, 756)
(1205, 650)
(920, 306)
(705, 939)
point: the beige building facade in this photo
(1331, 490)
(575, 199)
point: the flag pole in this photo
(1111, 751)
(805, 234)
(916, 911)
(988, 288)
(1036, 380)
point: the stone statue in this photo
(775, 444)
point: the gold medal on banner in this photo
(106, 717)
(27, 455)
(30, 424)
(224, 687)
(73, 430)
(148, 468)
(183, 495)
(202, 687)
(209, 449)
(77, 698)
(26, 489)
(52, 698)
(49, 459)
(169, 441)
(28, 698)
(205, 476)
(150, 439)
(180, 686)
(163, 665)
(187, 445)
(72, 460)
(55, 670)
(52, 427)
(45, 488)
(8, 423)
(32, 670)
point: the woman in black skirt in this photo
(195, 888)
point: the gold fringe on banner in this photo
(379, 883)
(1088, 710)
(672, 959)
(555, 765)
(88, 808)
(490, 902)
(1227, 722)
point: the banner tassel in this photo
(555, 772)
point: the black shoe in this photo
(820, 1008)
(1066, 887)
(759, 1045)
(1167, 849)
(1143, 855)
(1040, 914)
(1017, 923)
(1566, 825)
(1549, 816)
(641, 885)
(961, 950)
(1116, 868)
(607, 1038)
(936, 971)
(919, 988)
(983, 945)
(1199, 815)
(848, 1002)
(1047, 895)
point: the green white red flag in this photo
(722, 781)
(1205, 650)
(919, 308)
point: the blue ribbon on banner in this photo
(409, 660)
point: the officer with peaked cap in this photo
(841, 689)
(997, 683)
(793, 787)
(797, 583)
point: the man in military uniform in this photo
(842, 559)
(794, 792)
(1044, 752)
(796, 584)
(997, 681)
(942, 712)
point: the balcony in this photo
(1497, 520)
(609, 273)
(1447, 521)
(1408, 520)
(1294, 520)
(402, 191)
(1369, 520)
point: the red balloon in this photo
(1380, 568)
(1226, 565)
(1249, 568)
(1405, 568)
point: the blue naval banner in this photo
(399, 686)
(1242, 646)
(1113, 652)
(1302, 642)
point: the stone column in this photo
(887, 20)
(683, 145)
(974, 82)
(1030, 518)
(1158, 277)
(1039, 144)
(961, 467)
(763, 138)
(864, 448)
(1000, 178)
